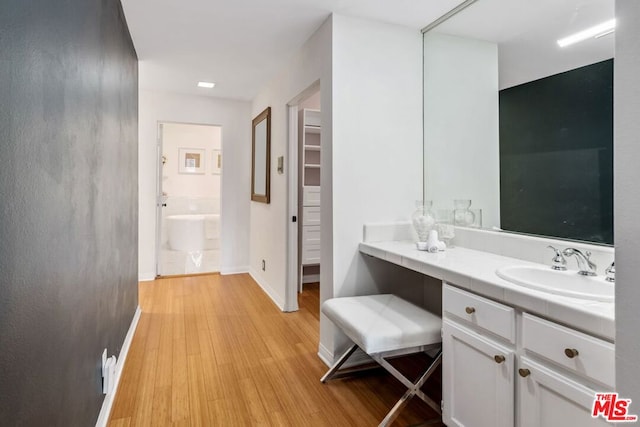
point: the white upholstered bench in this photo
(385, 326)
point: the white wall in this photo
(176, 136)
(235, 119)
(461, 124)
(371, 93)
(376, 153)
(312, 102)
(269, 221)
(627, 199)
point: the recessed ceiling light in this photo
(595, 31)
(206, 85)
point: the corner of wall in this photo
(268, 289)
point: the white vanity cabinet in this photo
(559, 373)
(503, 367)
(477, 372)
(478, 361)
(548, 398)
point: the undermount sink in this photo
(567, 283)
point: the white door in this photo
(477, 379)
(546, 398)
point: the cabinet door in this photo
(547, 398)
(477, 379)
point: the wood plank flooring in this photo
(215, 351)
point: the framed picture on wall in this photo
(191, 160)
(216, 162)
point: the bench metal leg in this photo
(413, 388)
(330, 373)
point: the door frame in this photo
(159, 196)
(293, 263)
(159, 202)
(291, 297)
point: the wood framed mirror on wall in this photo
(261, 157)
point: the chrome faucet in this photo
(610, 273)
(558, 262)
(585, 266)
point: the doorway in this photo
(188, 199)
(305, 152)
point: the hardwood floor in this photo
(215, 351)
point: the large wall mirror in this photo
(518, 124)
(261, 157)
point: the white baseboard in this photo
(357, 358)
(234, 270)
(267, 290)
(146, 277)
(325, 355)
(311, 278)
(107, 403)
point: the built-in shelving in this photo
(309, 210)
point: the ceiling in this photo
(241, 44)
(527, 31)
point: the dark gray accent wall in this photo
(68, 205)
(627, 200)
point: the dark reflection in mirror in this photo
(556, 155)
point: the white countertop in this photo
(475, 271)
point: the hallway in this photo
(214, 350)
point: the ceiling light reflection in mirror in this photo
(491, 46)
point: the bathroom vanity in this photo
(512, 355)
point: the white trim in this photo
(159, 199)
(234, 270)
(267, 290)
(146, 277)
(358, 358)
(325, 355)
(291, 298)
(311, 278)
(107, 403)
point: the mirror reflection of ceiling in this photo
(527, 32)
(241, 45)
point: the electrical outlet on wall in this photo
(109, 375)
(264, 265)
(103, 370)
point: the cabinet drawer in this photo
(311, 215)
(311, 254)
(311, 196)
(580, 353)
(310, 235)
(480, 312)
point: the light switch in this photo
(281, 165)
